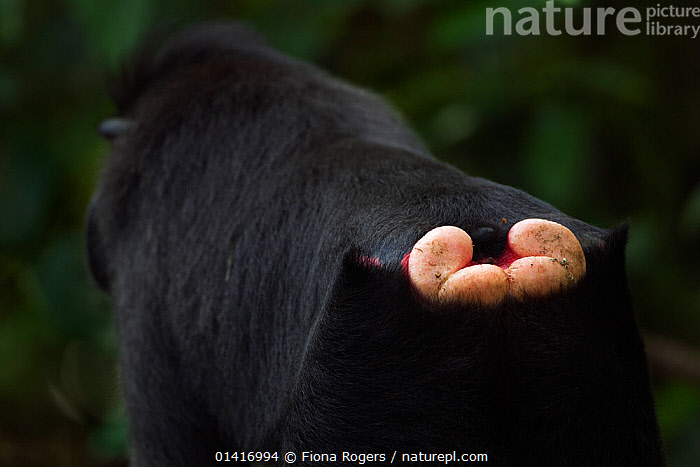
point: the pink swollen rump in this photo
(541, 258)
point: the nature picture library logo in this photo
(658, 20)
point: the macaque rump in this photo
(541, 258)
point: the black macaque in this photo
(252, 227)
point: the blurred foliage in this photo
(603, 127)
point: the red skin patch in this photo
(404, 261)
(503, 261)
(370, 261)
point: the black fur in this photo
(233, 226)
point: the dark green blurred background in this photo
(606, 128)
